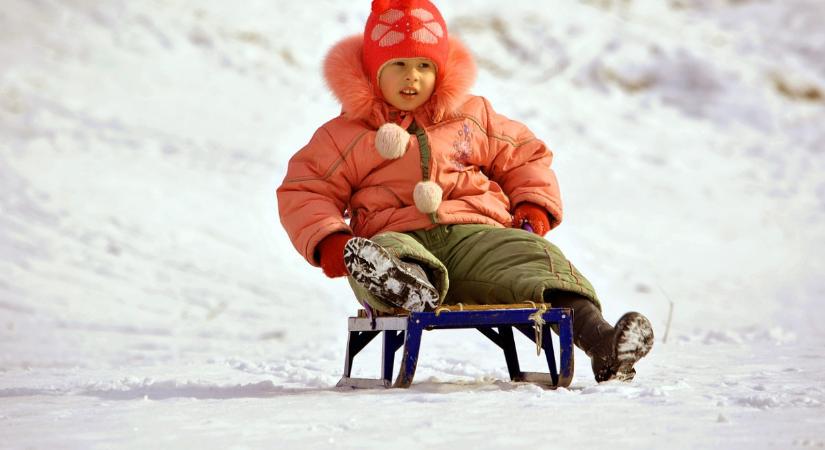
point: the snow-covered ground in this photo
(150, 299)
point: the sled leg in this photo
(559, 376)
(550, 379)
(409, 360)
(356, 342)
(491, 335)
(566, 349)
(549, 354)
(504, 339)
(393, 340)
(508, 344)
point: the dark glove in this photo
(331, 251)
(533, 215)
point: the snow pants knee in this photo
(483, 265)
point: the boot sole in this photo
(634, 340)
(381, 274)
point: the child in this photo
(439, 187)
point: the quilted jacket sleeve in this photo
(314, 195)
(520, 163)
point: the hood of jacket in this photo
(345, 76)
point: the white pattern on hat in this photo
(383, 33)
(387, 37)
(379, 31)
(391, 38)
(436, 29)
(424, 36)
(391, 16)
(422, 14)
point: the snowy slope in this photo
(150, 298)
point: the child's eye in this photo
(399, 63)
(424, 65)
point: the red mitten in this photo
(331, 251)
(532, 214)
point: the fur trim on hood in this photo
(344, 74)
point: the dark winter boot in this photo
(613, 350)
(397, 282)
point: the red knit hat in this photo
(404, 29)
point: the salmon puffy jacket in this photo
(453, 160)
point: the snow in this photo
(150, 298)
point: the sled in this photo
(496, 322)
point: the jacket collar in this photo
(345, 76)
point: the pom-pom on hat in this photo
(404, 29)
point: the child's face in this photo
(407, 83)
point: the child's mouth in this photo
(408, 93)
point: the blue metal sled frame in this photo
(406, 331)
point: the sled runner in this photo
(496, 322)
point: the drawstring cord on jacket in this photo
(424, 149)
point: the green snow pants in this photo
(483, 265)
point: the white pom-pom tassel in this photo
(391, 141)
(427, 196)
